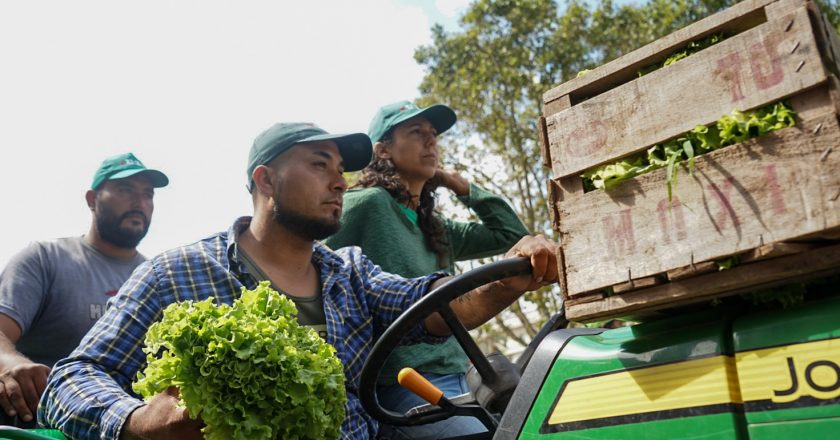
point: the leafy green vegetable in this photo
(729, 129)
(249, 370)
(728, 262)
(691, 48)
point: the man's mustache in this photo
(135, 212)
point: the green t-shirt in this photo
(375, 222)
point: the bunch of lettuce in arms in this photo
(249, 370)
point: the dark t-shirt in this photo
(310, 309)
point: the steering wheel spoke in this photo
(467, 343)
(436, 301)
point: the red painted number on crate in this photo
(777, 201)
(765, 64)
(586, 140)
(618, 231)
(671, 214)
(725, 211)
(765, 68)
(619, 234)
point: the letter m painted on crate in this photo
(618, 233)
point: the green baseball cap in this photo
(355, 148)
(126, 165)
(441, 117)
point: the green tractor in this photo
(730, 371)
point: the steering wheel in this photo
(437, 301)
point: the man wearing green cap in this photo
(52, 292)
(295, 175)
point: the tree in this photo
(494, 70)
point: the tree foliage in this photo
(494, 69)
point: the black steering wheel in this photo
(436, 301)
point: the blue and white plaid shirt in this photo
(89, 393)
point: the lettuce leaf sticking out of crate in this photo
(728, 130)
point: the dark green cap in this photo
(126, 165)
(355, 148)
(441, 117)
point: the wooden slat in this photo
(557, 105)
(561, 267)
(692, 270)
(743, 72)
(770, 189)
(788, 269)
(775, 250)
(828, 234)
(542, 137)
(553, 198)
(782, 8)
(628, 64)
(830, 39)
(636, 284)
(582, 299)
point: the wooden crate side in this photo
(759, 66)
(793, 268)
(774, 188)
(831, 40)
(542, 138)
(740, 16)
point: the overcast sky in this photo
(186, 86)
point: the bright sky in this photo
(186, 86)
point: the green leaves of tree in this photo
(494, 69)
(249, 370)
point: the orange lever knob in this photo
(417, 384)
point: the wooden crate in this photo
(739, 199)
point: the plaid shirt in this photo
(89, 393)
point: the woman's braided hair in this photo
(382, 173)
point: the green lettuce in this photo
(728, 130)
(249, 370)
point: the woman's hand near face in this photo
(453, 180)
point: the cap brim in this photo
(157, 178)
(439, 115)
(355, 148)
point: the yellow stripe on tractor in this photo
(694, 383)
(786, 373)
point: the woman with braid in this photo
(390, 214)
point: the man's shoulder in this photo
(213, 247)
(56, 247)
(346, 261)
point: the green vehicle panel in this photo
(713, 374)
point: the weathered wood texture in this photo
(741, 200)
(740, 16)
(761, 65)
(830, 39)
(774, 188)
(636, 284)
(543, 141)
(792, 268)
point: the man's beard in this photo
(108, 225)
(304, 227)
